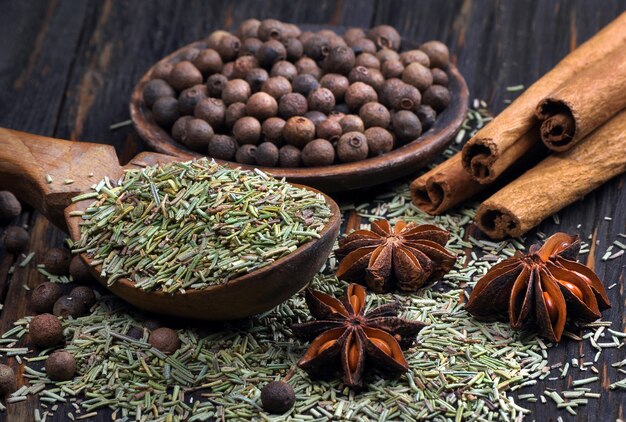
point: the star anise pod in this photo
(546, 286)
(404, 257)
(343, 334)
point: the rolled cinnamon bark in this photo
(584, 102)
(556, 182)
(496, 146)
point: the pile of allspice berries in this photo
(272, 95)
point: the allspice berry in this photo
(215, 85)
(66, 306)
(351, 123)
(234, 112)
(317, 47)
(402, 96)
(246, 154)
(368, 60)
(440, 77)
(437, 52)
(298, 131)
(292, 104)
(272, 129)
(57, 261)
(289, 156)
(337, 84)
(352, 146)
(315, 116)
(379, 141)
(385, 36)
(270, 52)
(229, 70)
(406, 126)
(438, 97)
(236, 91)
(267, 154)
(179, 128)
(261, 105)
(222, 147)
(284, 68)
(276, 86)
(45, 331)
(339, 60)
(83, 295)
(318, 152)
(307, 65)
(304, 84)
(329, 129)
(427, 116)
(208, 61)
(161, 70)
(228, 47)
(385, 54)
(248, 29)
(211, 110)
(79, 270)
(247, 130)
(294, 48)
(164, 339)
(321, 99)
(16, 239)
(184, 75)
(8, 382)
(242, 65)
(414, 56)
(256, 78)
(189, 98)
(375, 114)
(353, 34)
(363, 46)
(250, 47)
(392, 69)
(10, 207)
(372, 77)
(358, 94)
(165, 111)
(155, 89)
(418, 75)
(44, 296)
(277, 397)
(271, 29)
(197, 135)
(60, 366)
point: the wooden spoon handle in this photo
(46, 173)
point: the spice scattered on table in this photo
(10, 207)
(277, 397)
(16, 239)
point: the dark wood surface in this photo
(67, 69)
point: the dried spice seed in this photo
(16, 239)
(57, 261)
(44, 296)
(60, 366)
(277, 397)
(165, 339)
(8, 381)
(45, 331)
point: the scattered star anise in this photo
(343, 334)
(546, 286)
(404, 257)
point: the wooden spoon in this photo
(25, 162)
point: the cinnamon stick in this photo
(503, 140)
(584, 102)
(556, 182)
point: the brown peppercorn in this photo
(437, 52)
(329, 129)
(44, 296)
(414, 56)
(406, 126)
(248, 29)
(305, 36)
(318, 152)
(298, 131)
(222, 147)
(392, 69)
(387, 54)
(315, 116)
(10, 207)
(214, 38)
(271, 52)
(294, 48)
(379, 141)
(292, 104)
(61, 366)
(208, 62)
(291, 30)
(427, 116)
(211, 110)
(277, 397)
(79, 270)
(417, 75)
(339, 60)
(289, 156)
(321, 99)
(284, 68)
(236, 91)
(276, 86)
(165, 111)
(229, 70)
(375, 114)
(246, 154)
(337, 84)
(16, 239)
(180, 127)
(188, 99)
(188, 53)
(272, 129)
(353, 34)
(363, 46)
(405, 97)
(304, 84)
(164, 339)
(267, 154)
(270, 29)
(351, 123)
(152, 324)
(440, 77)
(247, 130)
(261, 105)
(438, 97)
(83, 295)
(135, 332)
(371, 77)
(385, 36)
(197, 135)
(352, 146)
(308, 66)
(215, 84)
(8, 382)
(358, 94)
(45, 331)
(243, 65)
(256, 78)
(228, 47)
(184, 75)
(367, 60)
(317, 47)
(250, 46)
(66, 306)
(57, 261)
(234, 112)
(161, 70)
(155, 89)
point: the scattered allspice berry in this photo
(60, 366)
(266, 154)
(45, 331)
(246, 154)
(247, 130)
(10, 207)
(57, 261)
(188, 99)
(79, 270)
(83, 295)
(351, 123)
(261, 105)
(277, 397)
(337, 84)
(277, 86)
(339, 60)
(236, 91)
(155, 89)
(272, 129)
(437, 52)
(289, 156)
(44, 296)
(16, 239)
(375, 114)
(298, 131)
(379, 141)
(414, 56)
(292, 104)
(197, 135)
(329, 129)
(165, 111)
(321, 99)
(406, 125)
(438, 97)
(165, 339)
(208, 61)
(418, 75)
(352, 146)
(184, 75)
(318, 152)
(284, 68)
(179, 129)
(222, 147)
(358, 94)
(211, 110)
(8, 382)
(67, 306)
(385, 36)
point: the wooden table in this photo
(67, 69)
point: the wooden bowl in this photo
(399, 162)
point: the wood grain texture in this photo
(67, 69)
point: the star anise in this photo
(343, 334)
(404, 257)
(546, 286)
